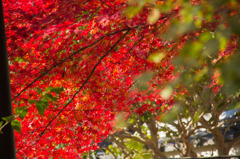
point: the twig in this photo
(91, 73)
(65, 59)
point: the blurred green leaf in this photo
(7, 118)
(121, 123)
(1, 122)
(199, 75)
(49, 97)
(142, 82)
(192, 50)
(166, 7)
(230, 73)
(223, 43)
(21, 111)
(204, 37)
(235, 24)
(57, 90)
(157, 57)
(131, 11)
(171, 115)
(16, 125)
(41, 105)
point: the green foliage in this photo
(114, 150)
(135, 146)
(207, 33)
(7, 118)
(46, 96)
(146, 116)
(21, 111)
(157, 57)
(135, 6)
(142, 81)
(16, 125)
(121, 122)
(234, 21)
(41, 105)
(231, 74)
(1, 123)
(84, 155)
(171, 115)
(57, 90)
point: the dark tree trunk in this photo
(7, 144)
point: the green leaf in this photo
(49, 97)
(57, 90)
(171, 115)
(166, 7)
(21, 111)
(231, 74)
(7, 118)
(131, 11)
(16, 125)
(41, 106)
(1, 123)
(200, 74)
(204, 37)
(234, 24)
(211, 47)
(32, 101)
(192, 50)
(19, 59)
(156, 58)
(222, 43)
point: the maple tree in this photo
(43, 63)
(74, 65)
(199, 88)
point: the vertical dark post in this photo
(7, 143)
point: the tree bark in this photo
(219, 142)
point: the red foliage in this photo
(92, 50)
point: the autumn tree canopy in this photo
(75, 65)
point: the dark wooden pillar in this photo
(7, 142)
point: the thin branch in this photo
(232, 143)
(231, 121)
(111, 152)
(174, 140)
(129, 136)
(91, 73)
(70, 56)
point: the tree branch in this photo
(89, 76)
(65, 59)
(232, 143)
